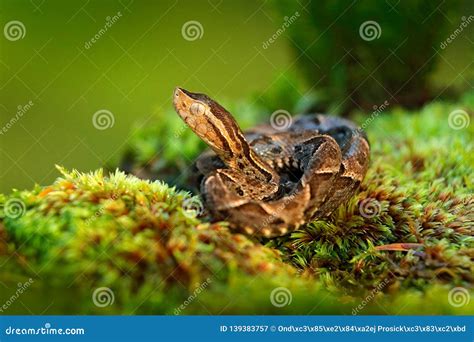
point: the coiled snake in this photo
(269, 182)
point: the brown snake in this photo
(269, 182)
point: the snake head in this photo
(219, 130)
(208, 120)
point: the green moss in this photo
(418, 190)
(131, 235)
(405, 239)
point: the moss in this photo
(405, 239)
(128, 234)
(418, 192)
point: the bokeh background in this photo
(132, 68)
(131, 71)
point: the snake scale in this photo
(268, 182)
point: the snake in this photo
(271, 180)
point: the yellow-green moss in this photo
(404, 239)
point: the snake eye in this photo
(276, 149)
(197, 108)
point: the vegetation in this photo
(406, 238)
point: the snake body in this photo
(268, 181)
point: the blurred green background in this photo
(132, 69)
